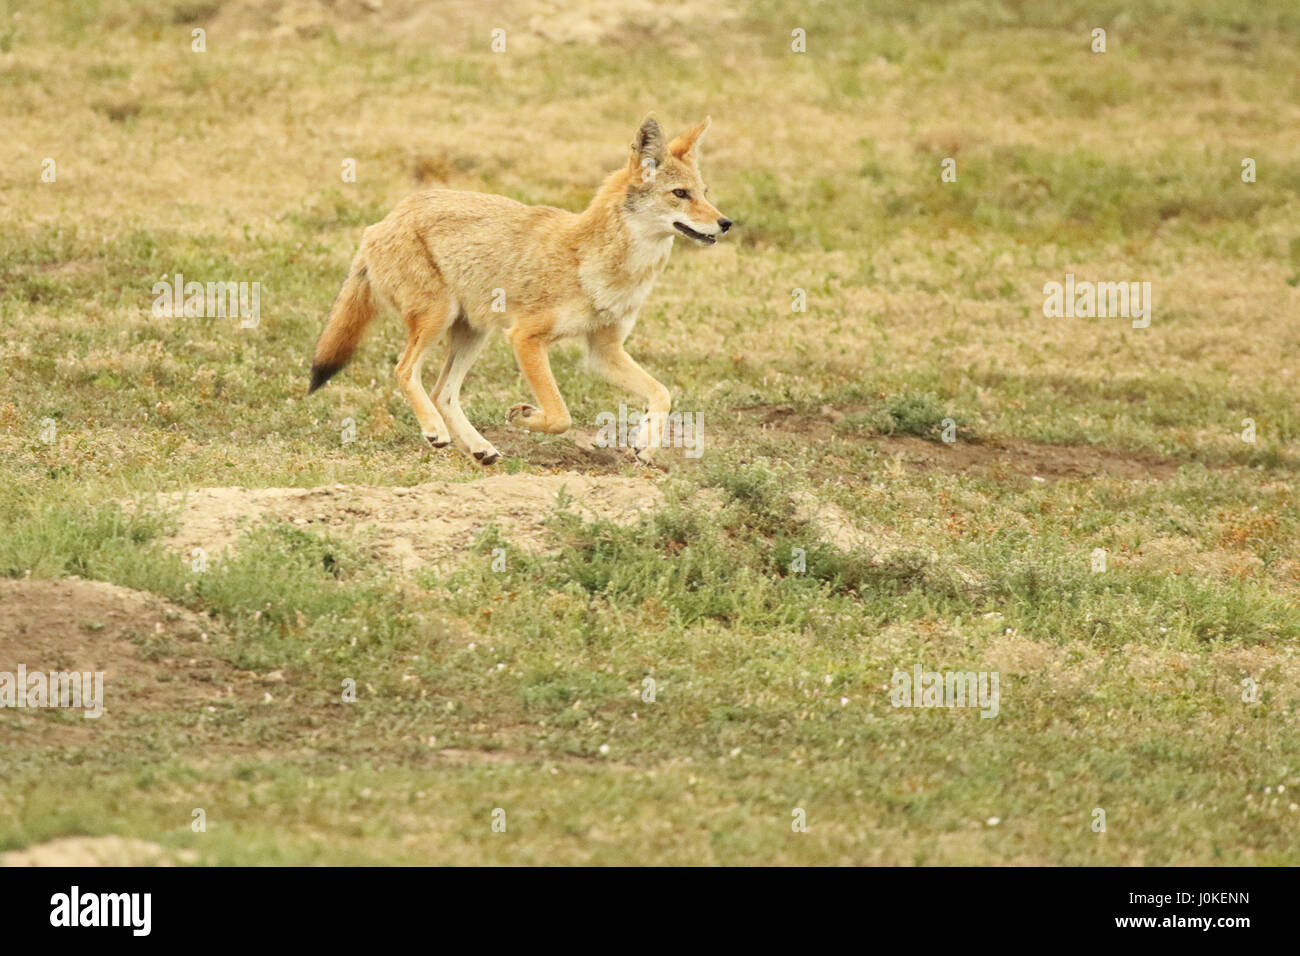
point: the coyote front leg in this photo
(531, 351)
(608, 359)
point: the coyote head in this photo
(665, 192)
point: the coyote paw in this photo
(536, 420)
(522, 414)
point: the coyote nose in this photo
(724, 224)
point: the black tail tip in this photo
(320, 374)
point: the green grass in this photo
(829, 536)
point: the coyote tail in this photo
(351, 315)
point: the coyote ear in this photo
(648, 143)
(684, 146)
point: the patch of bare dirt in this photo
(97, 851)
(153, 655)
(786, 418)
(845, 533)
(405, 528)
(576, 452)
(999, 457)
(994, 457)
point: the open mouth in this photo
(686, 230)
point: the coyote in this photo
(457, 264)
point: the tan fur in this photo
(353, 312)
(457, 265)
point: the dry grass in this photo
(1122, 689)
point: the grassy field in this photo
(1113, 532)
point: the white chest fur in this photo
(617, 281)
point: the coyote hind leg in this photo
(424, 328)
(532, 354)
(464, 343)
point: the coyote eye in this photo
(681, 194)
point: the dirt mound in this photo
(846, 533)
(407, 527)
(153, 656)
(97, 851)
